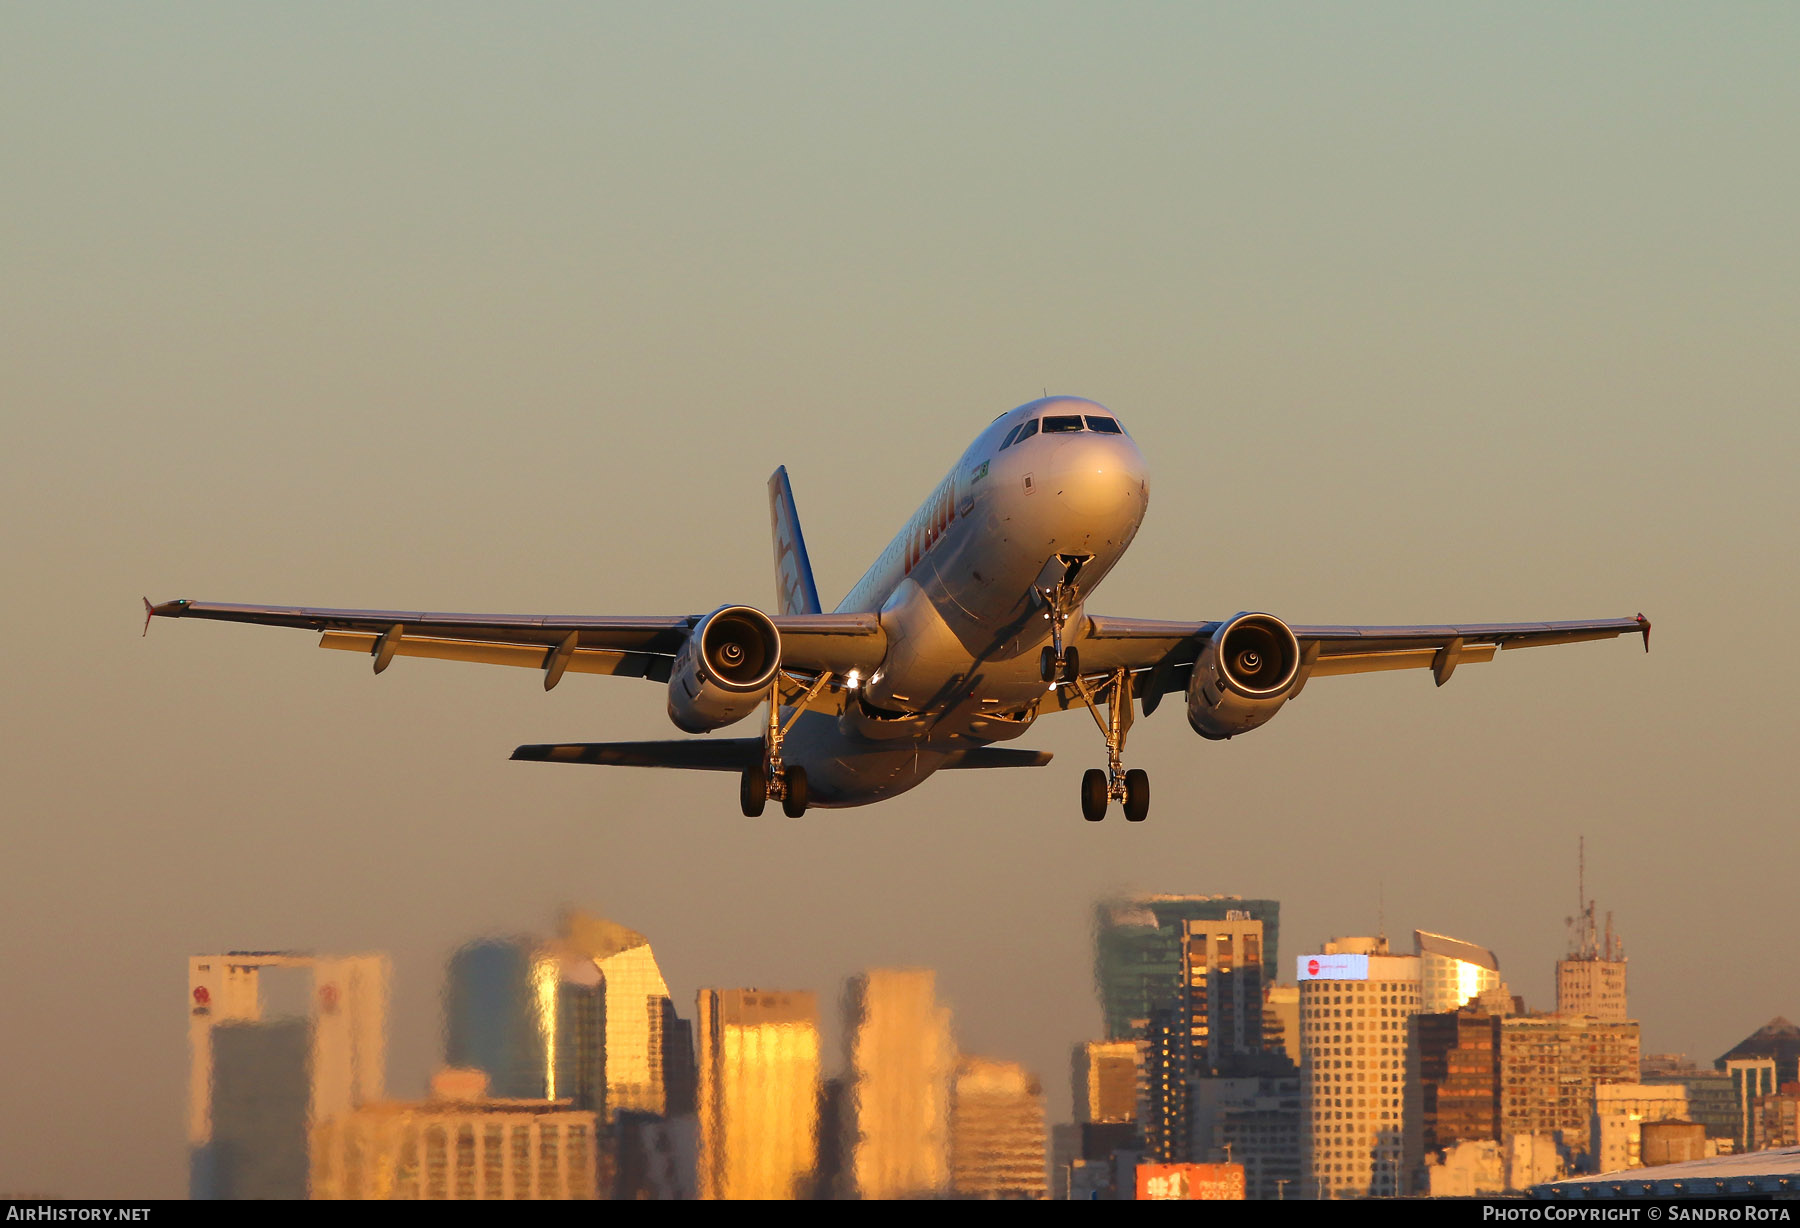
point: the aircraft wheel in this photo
(1047, 664)
(753, 792)
(1071, 665)
(1093, 795)
(794, 804)
(1137, 795)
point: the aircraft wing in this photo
(638, 647)
(1168, 650)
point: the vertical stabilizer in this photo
(795, 592)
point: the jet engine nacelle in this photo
(724, 670)
(1243, 677)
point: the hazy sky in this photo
(1419, 313)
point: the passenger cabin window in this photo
(1058, 424)
(1010, 436)
(1105, 426)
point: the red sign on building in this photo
(1203, 1182)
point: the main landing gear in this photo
(1115, 784)
(770, 778)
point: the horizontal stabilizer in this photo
(695, 754)
(996, 757)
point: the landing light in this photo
(851, 680)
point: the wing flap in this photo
(1399, 658)
(523, 656)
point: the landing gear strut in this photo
(1115, 784)
(771, 778)
(1056, 589)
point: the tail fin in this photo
(795, 591)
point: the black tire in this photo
(1071, 665)
(1093, 795)
(1137, 795)
(794, 804)
(1047, 664)
(753, 792)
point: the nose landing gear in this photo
(1115, 784)
(1056, 587)
(770, 778)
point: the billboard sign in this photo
(1194, 1182)
(1333, 968)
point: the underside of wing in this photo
(625, 646)
(1161, 654)
(692, 754)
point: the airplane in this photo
(968, 627)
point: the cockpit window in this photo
(1027, 431)
(1105, 426)
(1054, 425)
(1010, 436)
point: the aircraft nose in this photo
(1098, 476)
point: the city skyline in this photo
(1416, 314)
(762, 1091)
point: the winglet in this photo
(168, 609)
(1644, 626)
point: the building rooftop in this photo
(1776, 1171)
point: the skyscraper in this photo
(531, 1016)
(1214, 1026)
(1458, 1078)
(584, 1016)
(1356, 1006)
(642, 1049)
(901, 1058)
(759, 1093)
(997, 1131)
(1138, 948)
(1453, 972)
(258, 1081)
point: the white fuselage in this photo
(957, 595)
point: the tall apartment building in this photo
(1138, 950)
(1357, 1001)
(257, 1078)
(1549, 1065)
(759, 1093)
(901, 1058)
(998, 1131)
(1215, 1026)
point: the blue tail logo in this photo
(795, 592)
